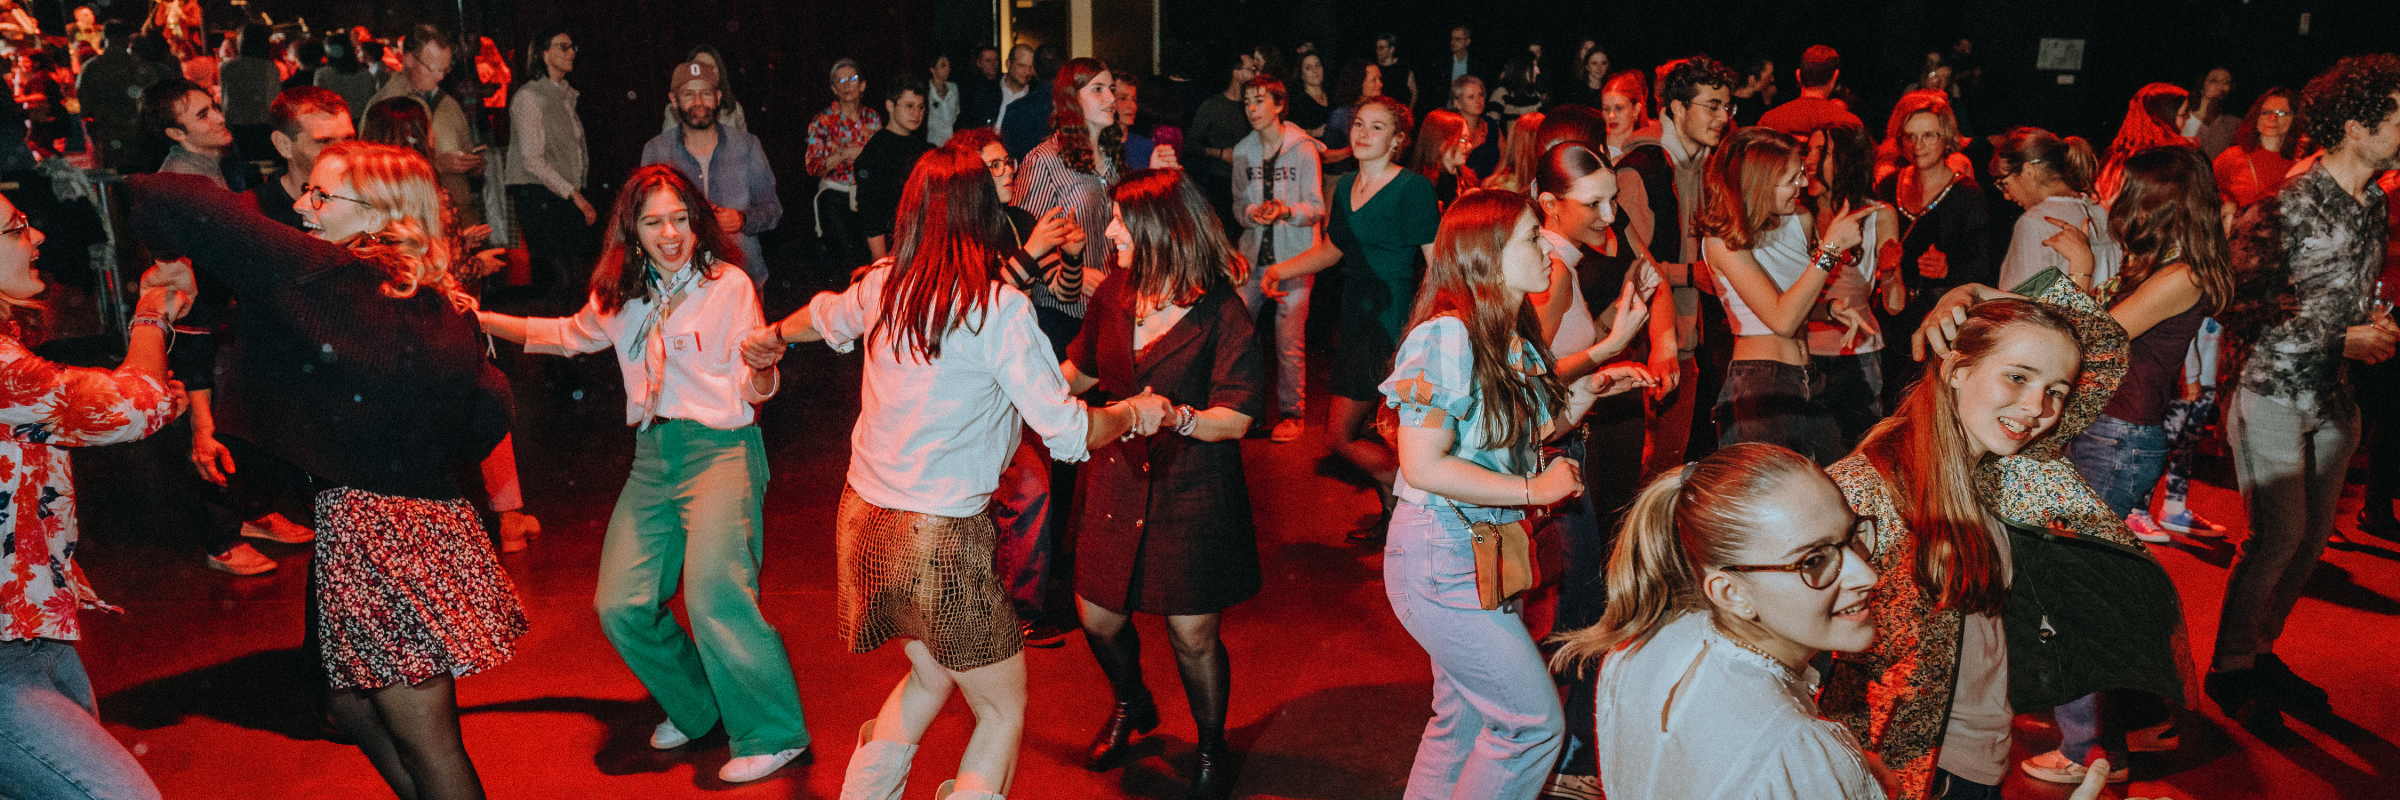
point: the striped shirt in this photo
(1045, 182)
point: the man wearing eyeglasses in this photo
(424, 61)
(1696, 113)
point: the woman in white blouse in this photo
(2052, 178)
(671, 299)
(941, 103)
(955, 366)
(1728, 578)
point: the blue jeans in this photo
(51, 744)
(2121, 461)
(1497, 725)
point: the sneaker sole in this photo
(2040, 774)
(229, 569)
(269, 537)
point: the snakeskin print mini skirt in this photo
(922, 577)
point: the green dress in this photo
(1381, 266)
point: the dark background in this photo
(779, 49)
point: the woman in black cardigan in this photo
(359, 362)
(1944, 241)
(1166, 518)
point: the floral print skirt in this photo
(408, 589)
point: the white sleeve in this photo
(1021, 361)
(843, 317)
(586, 332)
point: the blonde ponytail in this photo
(1682, 523)
(2082, 165)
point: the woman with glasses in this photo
(1771, 275)
(408, 593)
(1943, 220)
(1443, 142)
(2262, 152)
(1729, 578)
(46, 409)
(835, 138)
(546, 167)
(2051, 178)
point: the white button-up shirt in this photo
(705, 379)
(933, 435)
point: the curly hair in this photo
(2357, 89)
(1682, 79)
(1067, 125)
(413, 248)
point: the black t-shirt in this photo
(275, 203)
(883, 166)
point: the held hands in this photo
(162, 302)
(1149, 409)
(1619, 378)
(173, 275)
(764, 346)
(1562, 480)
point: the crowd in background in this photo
(1826, 413)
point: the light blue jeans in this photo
(1497, 725)
(51, 744)
(1291, 336)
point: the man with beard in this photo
(726, 162)
(883, 165)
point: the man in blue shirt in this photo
(726, 163)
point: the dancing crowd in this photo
(1849, 462)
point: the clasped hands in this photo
(1149, 409)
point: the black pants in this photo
(844, 240)
(258, 480)
(1853, 392)
(1777, 403)
(558, 243)
(2377, 388)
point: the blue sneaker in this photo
(2191, 524)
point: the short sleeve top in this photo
(1379, 244)
(1432, 385)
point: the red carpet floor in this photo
(202, 678)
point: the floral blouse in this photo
(830, 132)
(47, 408)
(2305, 260)
(1432, 385)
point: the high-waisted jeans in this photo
(1497, 725)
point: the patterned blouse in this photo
(1895, 696)
(48, 408)
(2304, 260)
(1432, 385)
(830, 132)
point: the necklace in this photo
(1738, 642)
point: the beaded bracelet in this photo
(1186, 420)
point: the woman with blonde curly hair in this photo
(359, 363)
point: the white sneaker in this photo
(1288, 430)
(279, 529)
(668, 737)
(242, 560)
(750, 768)
(2056, 767)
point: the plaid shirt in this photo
(2305, 260)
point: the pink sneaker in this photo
(2145, 530)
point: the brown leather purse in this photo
(1504, 561)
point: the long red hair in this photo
(949, 225)
(1922, 453)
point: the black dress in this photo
(1956, 222)
(1166, 518)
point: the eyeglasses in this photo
(1001, 166)
(1930, 137)
(1821, 564)
(17, 225)
(316, 197)
(1712, 107)
(2275, 112)
(848, 80)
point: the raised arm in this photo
(223, 234)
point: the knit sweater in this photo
(366, 391)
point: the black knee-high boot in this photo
(1208, 685)
(1120, 657)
